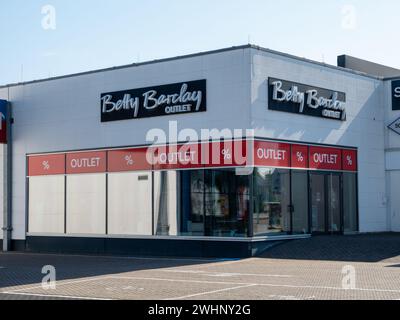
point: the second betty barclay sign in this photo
(177, 98)
(299, 98)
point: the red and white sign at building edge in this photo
(237, 153)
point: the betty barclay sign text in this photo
(303, 99)
(178, 98)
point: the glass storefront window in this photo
(195, 203)
(334, 203)
(272, 201)
(166, 203)
(350, 202)
(193, 198)
(219, 203)
(227, 203)
(300, 202)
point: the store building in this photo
(252, 146)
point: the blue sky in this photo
(92, 34)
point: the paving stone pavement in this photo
(310, 269)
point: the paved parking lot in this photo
(303, 269)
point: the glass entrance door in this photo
(326, 207)
(334, 203)
(318, 203)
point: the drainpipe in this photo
(7, 169)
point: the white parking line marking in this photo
(54, 296)
(257, 284)
(59, 284)
(211, 292)
(280, 297)
(227, 274)
(180, 280)
(329, 288)
(237, 285)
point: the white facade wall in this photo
(364, 127)
(64, 114)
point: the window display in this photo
(193, 199)
(219, 203)
(272, 201)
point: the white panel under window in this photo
(86, 204)
(46, 204)
(165, 203)
(129, 203)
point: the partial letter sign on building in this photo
(396, 95)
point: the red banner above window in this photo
(240, 153)
(271, 154)
(187, 156)
(128, 160)
(299, 156)
(86, 162)
(227, 154)
(52, 164)
(350, 160)
(322, 158)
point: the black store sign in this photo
(396, 95)
(171, 99)
(287, 96)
